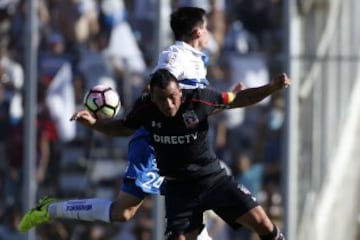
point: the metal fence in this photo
(323, 59)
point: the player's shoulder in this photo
(144, 100)
(200, 93)
(174, 50)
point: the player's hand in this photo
(281, 81)
(84, 117)
(238, 87)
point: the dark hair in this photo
(184, 20)
(161, 78)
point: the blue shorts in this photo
(142, 175)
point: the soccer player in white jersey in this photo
(186, 61)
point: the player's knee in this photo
(119, 214)
(257, 220)
(126, 215)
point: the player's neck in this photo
(194, 43)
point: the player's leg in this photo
(257, 220)
(49, 208)
(184, 213)
(92, 209)
(141, 158)
(241, 208)
(128, 201)
(124, 207)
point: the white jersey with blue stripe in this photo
(186, 63)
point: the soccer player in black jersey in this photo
(177, 120)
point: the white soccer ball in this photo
(102, 101)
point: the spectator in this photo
(13, 177)
(49, 149)
(18, 30)
(12, 77)
(144, 20)
(52, 57)
(9, 229)
(144, 225)
(4, 129)
(239, 40)
(56, 75)
(55, 231)
(47, 156)
(126, 63)
(94, 64)
(249, 174)
(272, 156)
(77, 20)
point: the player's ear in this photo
(196, 33)
(181, 93)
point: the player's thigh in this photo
(183, 211)
(128, 200)
(125, 206)
(230, 201)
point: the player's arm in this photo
(110, 127)
(234, 90)
(251, 96)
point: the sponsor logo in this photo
(190, 119)
(185, 139)
(85, 207)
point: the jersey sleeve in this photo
(172, 61)
(215, 99)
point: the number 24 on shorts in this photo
(150, 182)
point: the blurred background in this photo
(296, 151)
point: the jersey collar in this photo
(187, 46)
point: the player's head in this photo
(165, 92)
(189, 24)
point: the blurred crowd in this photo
(81, 43)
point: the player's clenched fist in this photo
(281, 81)
(84, 117)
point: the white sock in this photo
(84, 209)
(204, 235)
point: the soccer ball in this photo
(102, 101)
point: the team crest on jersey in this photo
(155, 124)
(191, 120)
(171, 58)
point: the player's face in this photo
(203, 35)
(167, 100)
